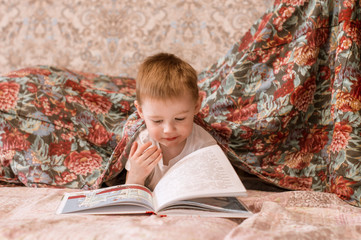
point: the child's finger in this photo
(140, 150)
(133, 149)
(156, 161)
(153, 157)
(148, 153)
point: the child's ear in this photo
(139, 108)
(198, 105)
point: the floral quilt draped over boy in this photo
(284, 103)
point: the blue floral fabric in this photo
(59, 127)
(286, 98)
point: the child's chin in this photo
(170, 143)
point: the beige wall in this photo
(112, 37)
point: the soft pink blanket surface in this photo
(298, 215)
(29, 213)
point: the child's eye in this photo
(180, 119)
(157, 121)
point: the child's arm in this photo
(142, 159)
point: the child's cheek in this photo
(155, 133)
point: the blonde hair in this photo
(164, 76)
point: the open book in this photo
(203, 183)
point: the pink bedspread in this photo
(29, 213)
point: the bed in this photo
(28, 213)
(281, 95)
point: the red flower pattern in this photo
(314, 141)
(98, 134)
(83, 162)
(341, 135)
(96, 103)
(74, 86)
(245, 110)
(14, 140)
(246, 133)
(59, 148)
(296, 182)
(32, 87)
(303, 95)
(306, 55)
(347, 103)
(65, 178)
(246, 40)
(204, 112)
(223, 130)
(298, 160)
(257, 35)
(284, 13)
(352, 30)
(345, 43)
(6, 156)
(295, 2)
(215, 85)
(258, 147)
(271, 160)
(325, 72)
(285, 89)
(356, 88)
(8, 95)
(124, 106)
(277, 137)
(49, 107)
(342, 187)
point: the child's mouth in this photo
(171, 139)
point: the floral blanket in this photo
(284, 103)
(59, 127)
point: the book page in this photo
(210, 206)
(206, 172)
(101, 198)
(220, 204)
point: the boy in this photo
(167, 98)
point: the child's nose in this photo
(169, 127)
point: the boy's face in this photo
(170, 121)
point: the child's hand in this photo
(142, 159)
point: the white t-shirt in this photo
(198, 139)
